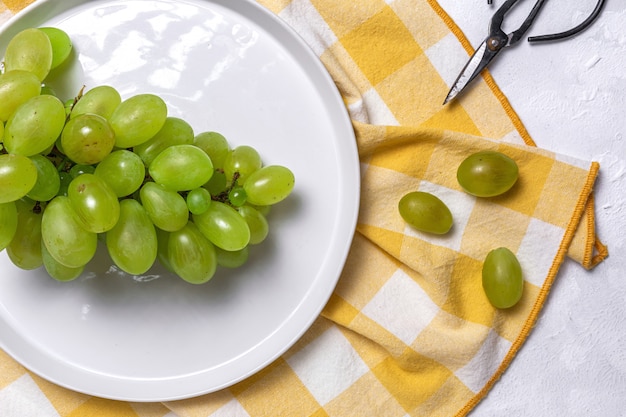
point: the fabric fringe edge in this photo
(585, 198)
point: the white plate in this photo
(229, 66)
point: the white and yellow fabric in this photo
(408, 330)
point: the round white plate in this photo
(227, 66)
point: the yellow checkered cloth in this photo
(408, 330)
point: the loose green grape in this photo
(487, 174)
(123, 170)
(503, 282)
(232, 259)
(425, 212)
(65, 238)
(87, 139)
(175, 131)
(167, 209)
(181, 168)
(269, 185)
(25, 247)
(16, 88)
(48, 181)
(137, 119)
(61, 45)
(34, 126)
(101, 100)
(80, 169)
(223, 226)
(18, 175)
(217, 184)
(191, 255)
(132, 243)
(8, 223)
(243, 160)
(257, 223)
(198, 200)
(237, 196)
(57, 270)
(94, 202)
(215, 145)
(29, 50)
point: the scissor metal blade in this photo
(478, 62)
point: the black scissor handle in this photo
(582, 26)
(495, 28)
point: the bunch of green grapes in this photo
(97, 167)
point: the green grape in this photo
(80, 169)
(237, 196)
(191, 255)
(57, 270)
(264, 210)
(16, 88)
(25, 247)
(46, 89)
(175, 131)
(132, 243)
(198, 200)
(181, 168)
(59, 145)
(68, 105)
(502, 278)
(232, 259)
(215, 145)
(61, 45)
(167, 209)
(48, 181)
(223, 226)
(101, 100)
(94, 202)
(123, 170)
(257, 223)
(217, 183)
(87, 139)
(65, 238)
(18, 175)
(65, 178)
(29, 50)
(137, 119)
(162, 254)
(243, 160)
(487, 174)
(269, 185)
(8, 223)
(425, 212)
(34, 126)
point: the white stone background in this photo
(571, 96)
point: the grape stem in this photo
(223, 196)
(76, 99)
(62, 162)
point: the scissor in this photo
(497, 40)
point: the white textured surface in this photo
(571, 96)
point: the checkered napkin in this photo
(408, 330)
